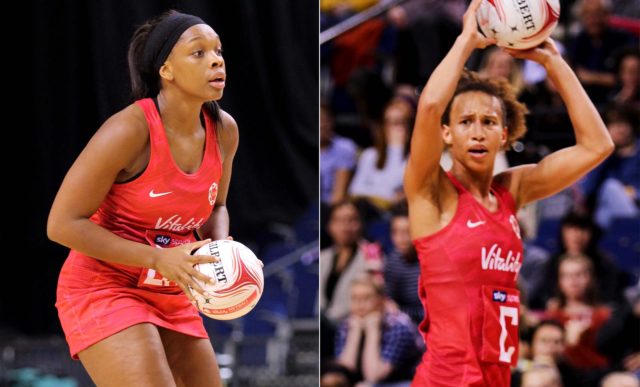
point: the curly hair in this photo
(513, 111)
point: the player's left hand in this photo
(541, 54)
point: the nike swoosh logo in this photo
(471, 224)
(157, 195)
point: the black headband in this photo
(164, 36)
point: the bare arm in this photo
(426, 142)
(217, 226)
(113, 148)
(564, 167)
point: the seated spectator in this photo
(380, 170)
(347, 257)
(338, 156)
(614, 186)
(402, 268)
(377, 346)
(547, 349)
(577, 308)
(591, 51)
(620, 379)
(578, 236)
(628, 78)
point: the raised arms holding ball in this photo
(425, 181)
(468, 284)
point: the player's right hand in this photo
(177, 264)
(470, 27)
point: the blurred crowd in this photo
(580, 324)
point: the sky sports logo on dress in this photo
(162, 240)
(502, 296)
(499, 296)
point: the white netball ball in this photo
(518, 24)
(239, 281)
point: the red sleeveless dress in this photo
(467, 285)
(162, 207)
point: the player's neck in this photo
(179, 114)
(478, 184)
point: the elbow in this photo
(602, 149)
(53, 229)
(609, 147)
(605, 149)
(56, 228)
(431, 105)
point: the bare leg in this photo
(132, 357)
(192, 360)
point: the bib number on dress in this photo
(500, 325)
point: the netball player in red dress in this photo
(463, 222)
(153, 175)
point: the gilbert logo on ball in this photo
(239, 280)
(518, 24)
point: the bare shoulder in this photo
(511, 178)
(121, 143)
(228, 134)
(126, 127)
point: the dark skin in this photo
(145, 354)
(120, 150)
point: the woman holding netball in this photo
(463, 222)
(129, 208)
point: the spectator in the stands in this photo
(628, 78)
(579, 236)
(378, 177)
(402, 269)
(347, 257)
(613, 188)
(577, 308)
(547, 349)
(591, 50)
(376, 345)
(338, 157)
